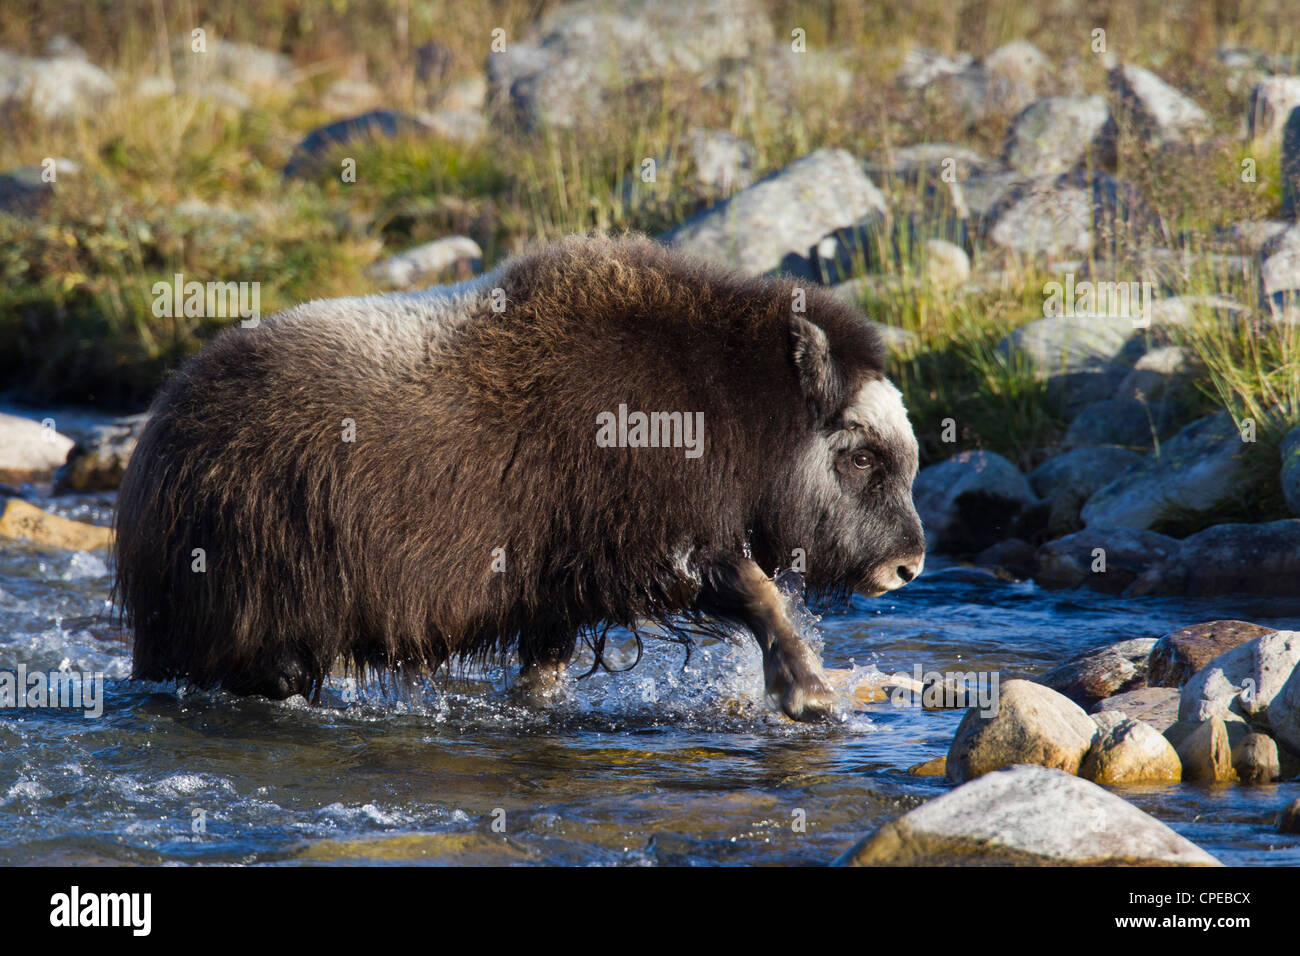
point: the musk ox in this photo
(602, 432)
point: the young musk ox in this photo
(403, 480)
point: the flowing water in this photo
(663, 764)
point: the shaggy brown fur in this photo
(475, 430)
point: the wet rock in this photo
(1230, 559)
(1123, 422)
(777, 222)
(1015, 556)
(29, 450)
(970, 500)
(1179, 655)
(1026, 815)
(318, 145)
(1288, 819)
(455, 257)
(1156, 706)
(1242, 683)
(25, 522)
(1255, 760)
(1131, 752)
(1191, 475)
(1097, 674)
(584, 54)
(1290, 449)
(1206, 753)
(930, 768)
(98, 462)
(1058, 134)
(1271, 103)
(1102, 559)
(1033, 724)
(1162, 113)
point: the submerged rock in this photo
(1029, 816)
(1033, 724)
(1288, 819)
(25, 522)
(1130, 752)
(1179, 655)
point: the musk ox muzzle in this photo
(601, 432)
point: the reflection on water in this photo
(664, 764)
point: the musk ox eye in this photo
(861, 460)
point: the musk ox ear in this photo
(811, 352)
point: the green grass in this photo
(75, 286)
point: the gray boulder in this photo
(1029, 816)
(1284, 713)
(1057, 134)
(54, 88)
(1033, 724)
(1230, 559)
(98, 462)
(29, 450)
(570, 69)
(1102, 559)
(1068, 480)
(779, 220)
(1125, 422)
(454, 257)
(1242, 683)
(1271, 103)
(1192, 474)
(970, 500)
(1155, 706)
(1162, 113)
(1279, 272)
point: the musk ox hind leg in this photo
(740, 591)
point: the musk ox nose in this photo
(909, 568)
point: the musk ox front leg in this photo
(740, 591)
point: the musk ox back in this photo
(602, 432)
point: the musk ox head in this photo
(849, 493)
